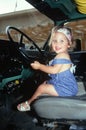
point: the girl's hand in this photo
(35, 65)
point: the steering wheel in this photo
(21, 38)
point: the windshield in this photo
(40, 32)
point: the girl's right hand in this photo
(35, 65)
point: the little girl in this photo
(62, 82)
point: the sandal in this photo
(24, 106)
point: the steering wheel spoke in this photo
(22, 39)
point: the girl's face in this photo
(59, 43)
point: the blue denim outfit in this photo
(63, 82)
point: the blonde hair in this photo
(65, 30)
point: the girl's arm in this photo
(47, 69)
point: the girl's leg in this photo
(42, 89)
